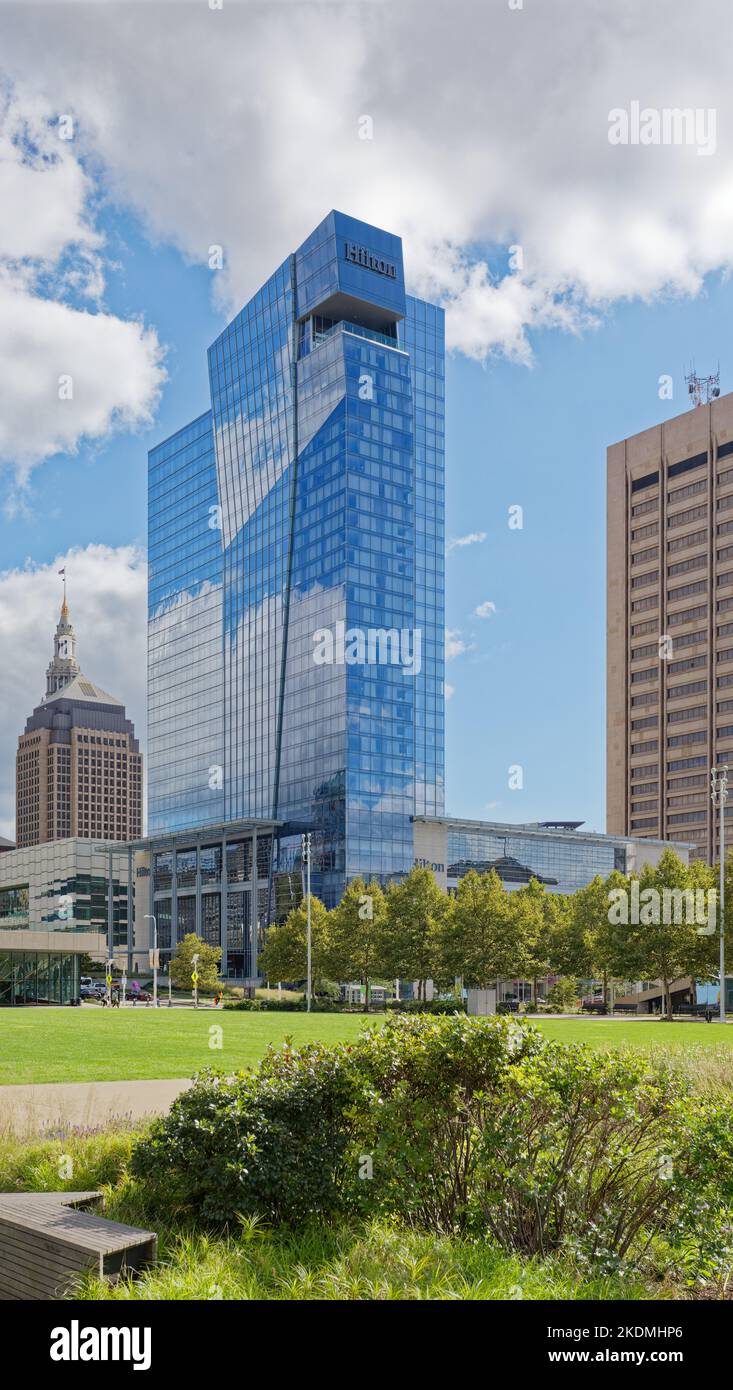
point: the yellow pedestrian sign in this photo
(195, 977)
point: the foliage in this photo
(563, 996)
(423, 1075)
(363, 1262)
(356, 934)
(207, 965)
(285, 953)
(483, 938)
(575, 1151)
(666, 950)
(427, 1006)
(416, 913)
(270, 1144)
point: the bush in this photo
(426, 1076)
(290, 1140)
(576, 1150)
(427, 1006)
(459, 1124)
(289, 1006)
(270, 1143)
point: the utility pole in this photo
(719, 796)
(149, 917)
(305, 844)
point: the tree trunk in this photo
(366, 992)
(605, 989)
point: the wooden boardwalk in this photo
(46, 1242)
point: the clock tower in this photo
(64, 667)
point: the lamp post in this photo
(305, 845)
(149, 916)
(719, 796)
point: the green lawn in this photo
(624, 1032)
(145, 1044)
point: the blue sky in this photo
(529, 688)
(192, 128)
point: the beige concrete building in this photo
(670, 625)
(79, 765)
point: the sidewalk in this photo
(27, 1110)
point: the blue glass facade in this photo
(324, 452)
(185, 585)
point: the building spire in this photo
(64, 605)
(64, 666)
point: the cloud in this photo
(450, 691)
(67, 373)
(107, 590)
(474, 538)
(485, 610)
(454, 644)
(239, 146)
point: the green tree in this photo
(563, 995)
(541, 919)
(416, 911)
(207, 965)
(285, 953)
(484, 939)
(356, 936)
(667, 941)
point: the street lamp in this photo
(149, 916)
(305, 845)
(719, 796)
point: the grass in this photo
(624, 1032)
(47, 1045)
(374, 1260)
(39, 1045)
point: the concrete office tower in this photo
(304, 507)
(78, 765)
(670, 626)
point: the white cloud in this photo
(239, 146)
(107, 601)
(450, 691)
(474, 538)
(454, 644)
(485, 610)
(66, 373)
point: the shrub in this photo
(426, 1076)
(290, 1006)
(289, 1140)
(700, 1236)
(576, 1151)
(428, 1006)
(269, 1143)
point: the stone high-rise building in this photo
(79, 765)
(670, 626)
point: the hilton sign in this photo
(361, 256)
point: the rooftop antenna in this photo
(702, 389)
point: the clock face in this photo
(64, 647)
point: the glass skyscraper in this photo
(296, 569)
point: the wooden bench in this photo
(47, 1241)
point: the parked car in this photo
(144, 995)
(94, 991)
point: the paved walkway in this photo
(26, 1110)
